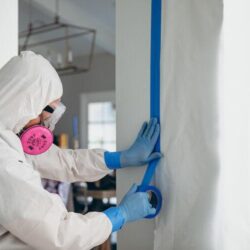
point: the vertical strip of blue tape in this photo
(155, 62)
(154, 79)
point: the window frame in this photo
(85, 99)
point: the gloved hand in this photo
(141, 152)
(134, 206)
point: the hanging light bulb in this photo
(59, 60)
(70, 56)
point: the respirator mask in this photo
(38, 139)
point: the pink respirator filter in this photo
(36, 140)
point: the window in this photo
(102, 125)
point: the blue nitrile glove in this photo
(116, 218)
(141, 152)
(134, 206)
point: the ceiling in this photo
(96, 14)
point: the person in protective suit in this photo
(31, 217)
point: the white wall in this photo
(132, 99)
(8, 30)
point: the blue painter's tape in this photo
(154, 96)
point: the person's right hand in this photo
(134, 206)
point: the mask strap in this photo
(48, 109)
(20, 133)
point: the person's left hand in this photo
(141, 151)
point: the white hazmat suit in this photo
(30, 217)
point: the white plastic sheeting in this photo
(233, 207)
(189, 173)
(205, 106)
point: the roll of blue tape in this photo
(155, 200)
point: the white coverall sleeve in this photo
(70, 165)
(39, 218)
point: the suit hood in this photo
(28, 83)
